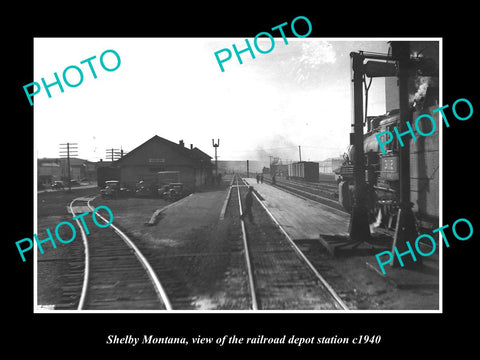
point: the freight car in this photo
(304, 170)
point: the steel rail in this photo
(321, 198)
(251, 281)
(309, 184)
(86, 272)
(143, 261)
(304, 258)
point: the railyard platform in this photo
(302, 218)
(306, 220)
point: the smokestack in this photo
(191, 146)
(181, 143)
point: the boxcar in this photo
(304, 170)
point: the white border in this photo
(253, 312)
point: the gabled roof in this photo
(194, 154)
(200, 154)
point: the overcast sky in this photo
(298, 94)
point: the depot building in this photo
(158, 154)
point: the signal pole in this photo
(216, 146)
(65, 151)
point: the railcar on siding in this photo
(304, 170)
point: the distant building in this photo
(48, 170)
(240, 166)
(329, 165)
(159, 154)
(52, 169)
(280, 170)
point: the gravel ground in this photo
(362, 288)
(199, 258)
(59, 269)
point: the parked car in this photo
(74, 183)
(57, 185)
(144, 189)
(163, 191)
(172, 191)
(175, 192)
(112, 189)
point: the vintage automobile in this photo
(112, 189)
(57, 185)
(144, 189)
(163, 191)
(175, 191)
(73, 183)
(172, 191)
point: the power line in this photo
(66, 151)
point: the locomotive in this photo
(382, 170)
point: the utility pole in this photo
(113, 154)
(216, 165)
(67, 150)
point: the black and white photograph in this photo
(242, 187)
(275, 184)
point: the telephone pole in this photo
(67, 150)
(114, 154)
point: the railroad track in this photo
(327, 190)
(116, 274)
(279, 275)
(316, 193)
